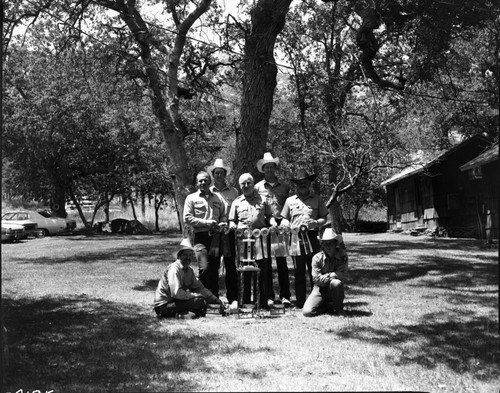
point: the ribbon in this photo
(264, 232)
(281, 243)
(274, 241)
(226, 246)
(257, 244)
(286, 233)
(294, 242)
(214, 246)
(305, 240)
(239, 246)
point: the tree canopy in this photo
(347, 89)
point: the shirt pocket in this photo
(216, 209)
(295, 209)
(200, 208)
(243, 213)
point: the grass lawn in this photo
(421, 314)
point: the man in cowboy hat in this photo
(228, 193)
(203, 211)
(251, 211)
(179, 291)
(304, 210)
(329, 271)
(276, 192)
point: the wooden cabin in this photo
(448, 193)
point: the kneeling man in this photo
(329, 272)
(179, 290)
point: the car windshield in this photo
(44, 213)
(8, 216)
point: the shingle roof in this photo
(488, 156)
(419, 167)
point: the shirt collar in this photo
(184, 268)
(275, 183)
(226, 187)
(251, 197)
(202, 194)
(310, 195)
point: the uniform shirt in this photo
(199, 208)
(298, 209)
(179, 283)
(227, 193)
(276, 194)
(252, 212)
(322, 265)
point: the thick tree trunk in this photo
(58, 202)
(259, 82)
(165, 101)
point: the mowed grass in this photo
(421, 314)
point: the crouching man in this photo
(329, 272)
(179, 291)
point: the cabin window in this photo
(475, 173)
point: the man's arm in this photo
(233, 217)
(341, 270)
(175, 285)
(199, 290)
(319, 278)
(224, 209)
(285, 214)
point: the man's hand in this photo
(312, 224)
(222, 308)
(211, 223)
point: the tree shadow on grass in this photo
(84, 344)
(457, 272)
(385, 247)
(145, 253)
(468, 345)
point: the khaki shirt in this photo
(322, 266)
(227, 193)
(252, 212)
(180, 283)
(276, 194)
(199, 208)
(296, 209)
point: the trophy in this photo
(249, 252)
(304, 237)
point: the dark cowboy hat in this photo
(302, 174)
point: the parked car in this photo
(47, 223)
(12, 232)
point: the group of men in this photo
(265, 204)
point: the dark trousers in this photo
(324, 299)
(198, 305)
(283, 278)
(231, 273)
(301, 262)
(208, 265)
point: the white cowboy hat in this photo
(329, 234)
(268, 159)
(218, 164)
(185, 245)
